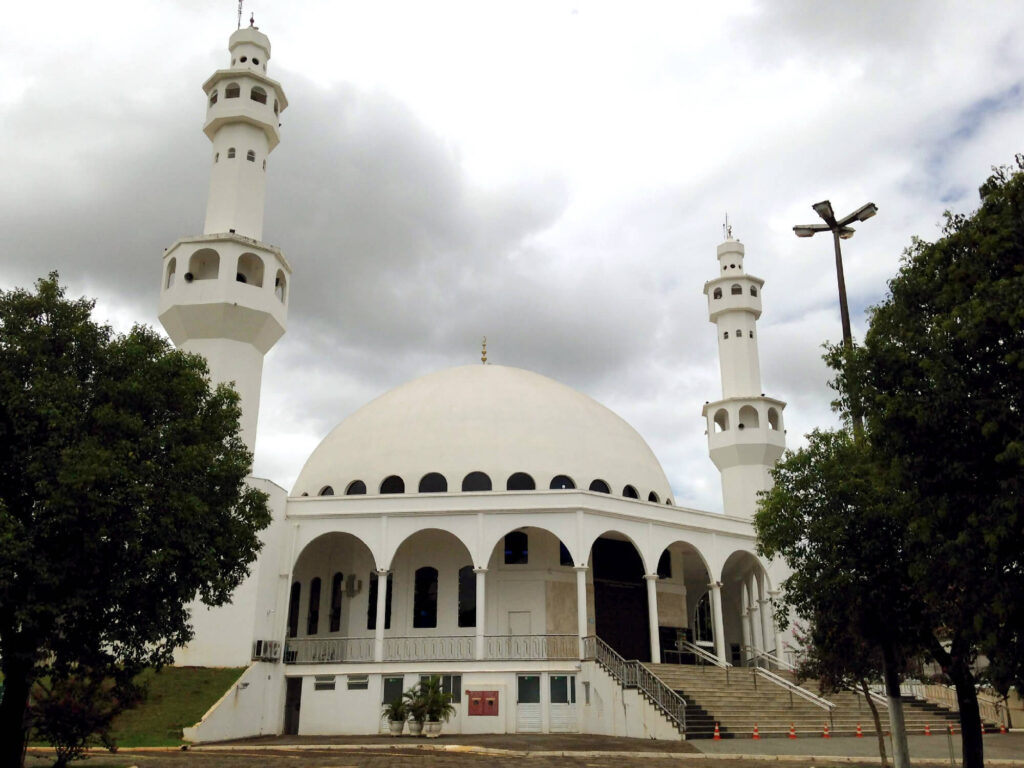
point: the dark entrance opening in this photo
(620, 598)
(292, 704)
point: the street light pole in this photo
(841, 230)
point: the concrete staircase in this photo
(737, 698)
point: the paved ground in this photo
(569, 751)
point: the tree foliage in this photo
(122, 495)
(942, 382)
(77, 711)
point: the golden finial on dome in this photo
(483, 352)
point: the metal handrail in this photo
(532, 647)
(756, 653)
(700, 653)
(794, 688)
(633, 674)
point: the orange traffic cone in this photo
(792, 731)
(756, 734)
(1002, 727)
(717, 736)
(952, 730)
(927, 730)
(860, 733)
(825, 734)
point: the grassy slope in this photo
(178, 697)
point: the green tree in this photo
(942, 382)
(122, 497)
(832, 515)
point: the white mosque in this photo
(483, 523)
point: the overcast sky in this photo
(551, 174)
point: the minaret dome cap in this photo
(249, 36)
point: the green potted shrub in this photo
(415, 707)
(396, 712)
(437, 705)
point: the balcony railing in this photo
(458, 648)
(357, 650)
(327, 650)
(532, 647)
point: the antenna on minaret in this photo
(727, 228)
(240, 13)
(483, 352)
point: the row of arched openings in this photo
(234, 91)
(749, 418)
(424, 604)
(204, 264)
(435, 482)
(736, 290)
(250, 156)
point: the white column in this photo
(481, 610)
(581, 605)
(716, 618)
(378, 632)
(745, 623)
(652, 615)
(767, 628)
(759, 640)
(774, 595)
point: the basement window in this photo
(358, 682)
(324, 682)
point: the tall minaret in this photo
(745, 431)
(224, 294)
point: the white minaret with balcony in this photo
(224, 294)
(745, 430)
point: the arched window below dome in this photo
(233, 91)
(293, 609)
(433, 482)
(718, 293)
(326, 491)
(336, 596)
(736, 290)
(424, 598)
(467, 596)
(392, 484)
(600, 486)
(773, 419)
(630, 492)
(517, 548)
(356, 488)
(652, 496)
(476, 481)
(665, 565)
(753, 290)
(313, 614)
(520, 481)
(668, 502)
(562, 483)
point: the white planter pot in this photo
(433, 730)
(396, 726)
(415, 728)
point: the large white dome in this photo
(483, 418)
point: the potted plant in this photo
(437, 705)
(415, 708)
(396, 712)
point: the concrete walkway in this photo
(1008, 746)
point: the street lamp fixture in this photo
(841, 230)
